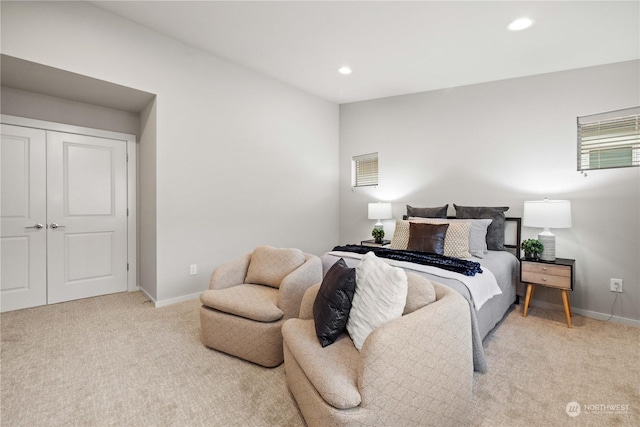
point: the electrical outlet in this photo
(193, 269)
(615, 285)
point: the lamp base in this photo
(548, 241)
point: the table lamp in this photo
(379, 211)
(547, 214)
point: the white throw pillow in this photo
(381, 294)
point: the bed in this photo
(487, 307)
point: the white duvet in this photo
(482, 287)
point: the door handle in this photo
(37, 226)
(54, 225)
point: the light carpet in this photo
(116, 360)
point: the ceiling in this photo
(395, 47)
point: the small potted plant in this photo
(532, 248)
(378, 235)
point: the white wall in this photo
(499, 144)
(240, 159)
(147, 202)
(33, 105)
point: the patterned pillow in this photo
(400, 238)
(456, 241)
(381, 294)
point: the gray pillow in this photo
(495, 231)
(438, 212)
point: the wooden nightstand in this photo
(372, 242)
(552, 274)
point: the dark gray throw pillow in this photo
(437, 212)
(333, 302)
(495, 231)
(427, 237)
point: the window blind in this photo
(609, 140)
(365, 170)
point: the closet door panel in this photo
(87, 214)
(23, 256)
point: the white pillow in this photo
(381, 294)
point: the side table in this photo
(558, 274)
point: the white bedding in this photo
(482, 287)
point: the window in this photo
(364, 170)
(609, 140)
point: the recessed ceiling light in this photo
(520, 24)
(345, 70)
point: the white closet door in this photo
(23, 256)
(87, 216)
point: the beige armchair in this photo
(250, 298)
(416, 370)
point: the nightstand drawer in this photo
(547, 280)
(557, 276)
(540, 268)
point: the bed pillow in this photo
(333, 302)
(456, 241)
(425, 237)
(381, 294)
(400, 237)
(438, 212)
(495, 231)
(477, 233)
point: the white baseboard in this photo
(586, 313)
(141, 289)
(170, 301)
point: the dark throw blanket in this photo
(468, 268)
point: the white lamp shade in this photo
(547, 214)
(380, 210)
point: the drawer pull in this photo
(544, 279)
(544, 268)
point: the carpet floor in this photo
(116, 360)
